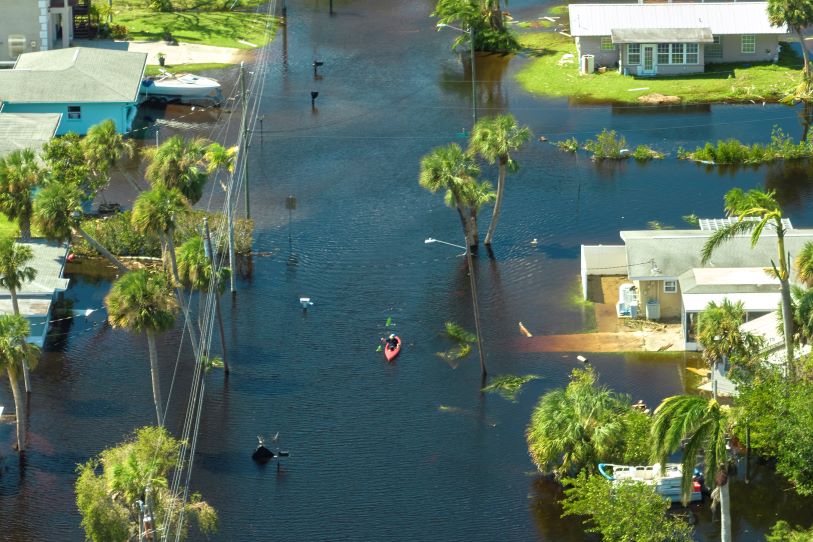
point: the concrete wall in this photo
(20, 18)
(591, 45)
(602, 260)
(121, 113)
(766, 49)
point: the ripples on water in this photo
(409, 451)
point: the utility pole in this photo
(207, 247)
(230, 230)
(244, 147)
(476, 307)
(473, 78)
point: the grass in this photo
(722, 83)
(219, 28)
(154, 69)
(7, 227)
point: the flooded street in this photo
(409, 451)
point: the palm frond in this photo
(723, 235)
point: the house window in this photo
(607, 44)
(670, 286)
(713, 50)
(663, 53)
(748, 43)
(677, 53)
(74, 112)
(692, 53)
(633, 54)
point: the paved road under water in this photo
(410, 451)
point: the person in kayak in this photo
(392, 342)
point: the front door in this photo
(649, 64)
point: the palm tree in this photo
(718, 331)
(798, 15)
(13, 274)
(179, 163)
(195, 270)
(474, 196)
(20, 173)
(57, 210)
(16, 353)
(705, 425)
(803, 312)
(103, 147)
(217, 158)
(142, 301)
(576, 427)
(756, 210)
(449, 168)
(156, 211)
(494, 138)
(804, 264)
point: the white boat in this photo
(184, 86)
(667, 480)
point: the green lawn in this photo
(154, 69)
(7, 227)
(220, 28)
(722, 82)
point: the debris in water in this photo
(524, 330)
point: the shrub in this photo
(732, 151)
(118, 31)
(568, 145)
(644, 153)
(117, 235)
(608, 145)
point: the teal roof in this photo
(74, 75)
(26, 131)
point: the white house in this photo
(674, 38)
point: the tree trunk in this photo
(495, 216)
(16, 308)
(725, 514)
(100, 249)
(475, 235)
(787, 311)
(25, 226)
(463, 220)
(19, 406)
(156, 384)
(171, 250)
(801, 39)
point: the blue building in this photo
(85, 85)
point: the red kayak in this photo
(389, 352)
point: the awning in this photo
(662, 35)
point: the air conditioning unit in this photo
(16, 45)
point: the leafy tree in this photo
(757, 210)
(624, 511)
(65, 160)
(637, 436)
(705, 426)
(20, 174)
(485, 16)
(142, 301)
(179, 163)
(452, 170)
(798, 15)
(57, 210)
(493, 139)
(16, 353)
(14, 273)
(718, 331)
(577, 427)
(111, 490)
(783, 532)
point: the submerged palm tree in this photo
(14, 273)
(474, 196)
(704, 425)
(757, 210)
(16, 353)
(103, 147)
(494, 138)
(179, 163)
(452, 170)
(20, 174)
(57, 213)
(142, 301)
(576, 427)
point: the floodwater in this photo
(409, 451)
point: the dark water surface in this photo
(409, 451)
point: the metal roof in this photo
(74, 75)
(720, 17)
(714, 224)
(49, 261)
(26, 131)
(652, 35)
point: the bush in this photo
(608, 145)
(117, 235)
(732, 151)
(160, 5)
(568, 145)
(118, 31)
